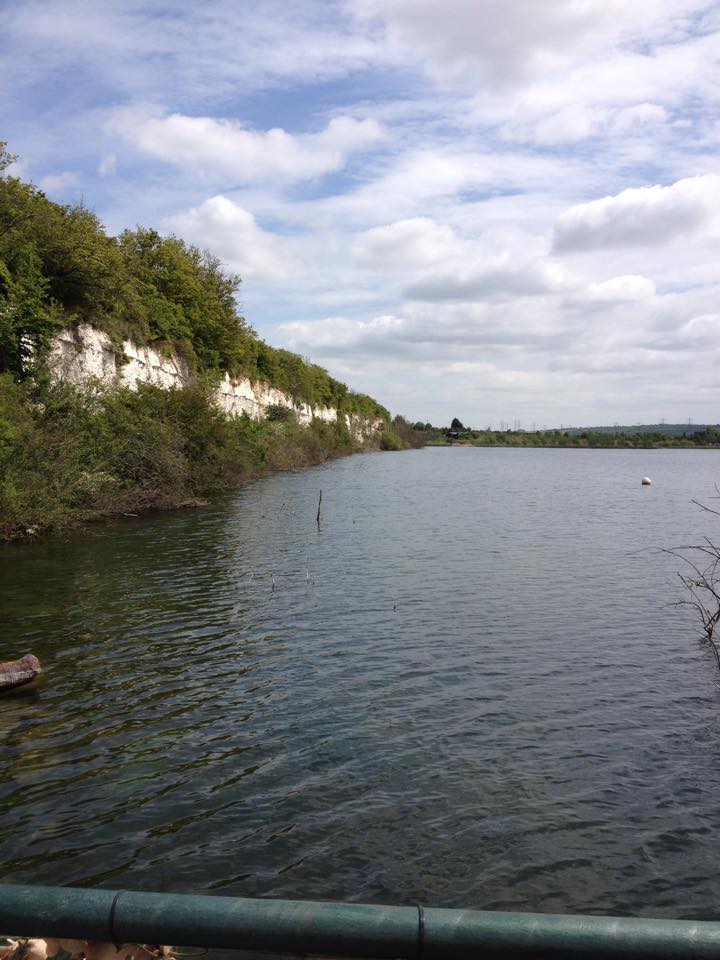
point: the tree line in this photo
(70, 455)
(600, 438)
(59, 268)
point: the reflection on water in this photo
(461, 690)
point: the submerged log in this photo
(15, 673)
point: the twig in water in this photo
(317, 518)
(701, 580)
(272, 576)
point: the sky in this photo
(506, 211)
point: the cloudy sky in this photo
(502, 210)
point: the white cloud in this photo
(161, 49)
(580, 121)
(108, 165)
(461, 133)
(412, 243)
(505, 279)
(500, 41)
(638, 118)
(625, 289)
(448, 181)
(232, 233)
(509, 42)
(436, 263)
(643, 216)
(608, 294)
(532, 359)
(574, 122)
(701, 332)
(57, 182)
(339, 334)
(226, 149)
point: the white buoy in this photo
(646, 481)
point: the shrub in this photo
(278, 411)
(390, 441)
(69, 455)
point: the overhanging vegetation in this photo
(68, 455)
(59, 268)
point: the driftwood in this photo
(15, 673)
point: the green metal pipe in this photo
(344, 930)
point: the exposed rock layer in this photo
(83, 354)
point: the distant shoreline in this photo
(656, 445)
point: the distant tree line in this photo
(708, 436)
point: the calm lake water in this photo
(466, 688)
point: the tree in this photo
(58, 269)
(27, 323)
(55, 264)
(279, 412)
(409, 435)
(701, 579)
(6, 159)
(456, 425)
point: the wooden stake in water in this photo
(317, 518)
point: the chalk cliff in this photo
(83, 354)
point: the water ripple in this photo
(462, 689)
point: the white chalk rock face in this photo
(362, 429)
(145, 365)
(84, 354)
(240, 396)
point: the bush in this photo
(390, 441)
(68, 455)
(275, 412)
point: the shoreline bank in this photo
(70, 457)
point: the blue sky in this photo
(502, 210)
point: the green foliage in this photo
(278, 411)
(390, 441)
(184, 298)
(584, 438)
(5, 158)
(59, 268)
(68, 455)
(409, 435)
(600, 437)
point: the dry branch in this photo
(701, 581)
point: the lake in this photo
(465, 688)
